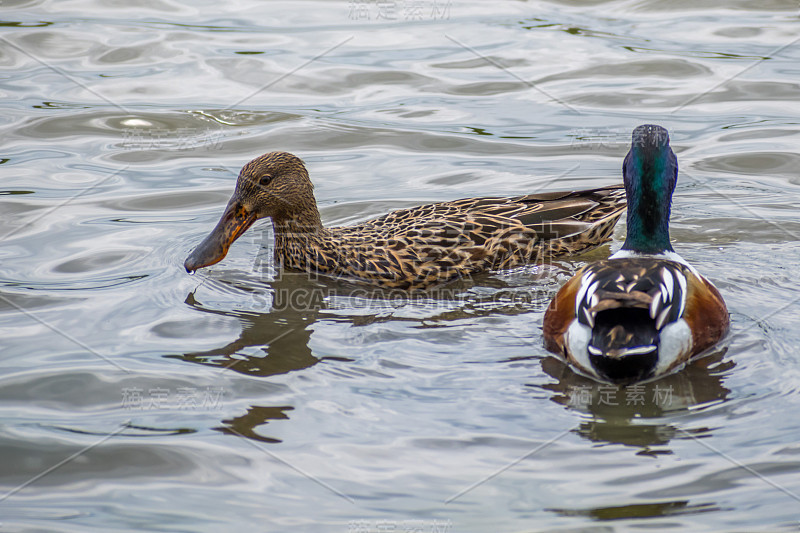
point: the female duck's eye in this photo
(265, 179)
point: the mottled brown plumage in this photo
(413, 248)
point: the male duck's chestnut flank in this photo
(411, 248)
(645, 311)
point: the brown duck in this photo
(413, 248)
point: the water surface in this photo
(134, 397)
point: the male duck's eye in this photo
(265, 179)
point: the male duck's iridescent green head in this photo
(650, 172)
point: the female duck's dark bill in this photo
(235, 221)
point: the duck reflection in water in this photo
(276, 340)
(273, 341)
(639, 415)
(270, 343)
(640, 510)
(278, 316)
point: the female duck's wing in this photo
(551, 215)
(554, 214)
(427, 251)
(433, 243)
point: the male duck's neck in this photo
(648, 211)
(645, 235)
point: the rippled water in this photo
(135, 397)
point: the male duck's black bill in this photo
(234, 221)
(624, 370)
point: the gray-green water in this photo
(134, 397)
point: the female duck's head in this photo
(274, 185)
(650, 172)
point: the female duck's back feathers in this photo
(411, 248)
(419, 247)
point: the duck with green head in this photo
(645, 311)
(413, 248)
